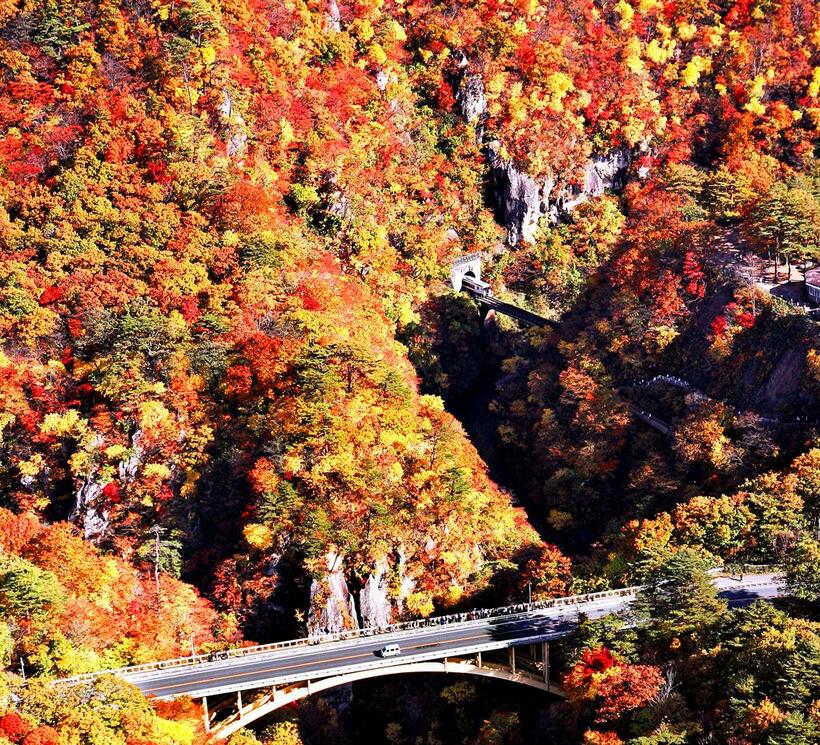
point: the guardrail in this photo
(751, 569)
(475, 615)
(361, 666)
(469, 618)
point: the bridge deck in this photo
(526, 317)
(290, 664)
(334, 658)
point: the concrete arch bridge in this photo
(509, 644)
(520, 669)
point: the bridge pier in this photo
(478, 660)
(206, 717)
(282, 696)
(545, 657)
(487, 316)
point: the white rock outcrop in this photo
(332, 608)
(233, 124)
(375, 605)
(607, 172)
(89, 512)
(406, 584)
(333, 17)
(471, 100)
(381, 600)
(523, 201)
(127, 468)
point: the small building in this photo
(813, 285)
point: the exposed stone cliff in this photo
(380, 600)
(374, 601)
(521, 200)
(332, 608)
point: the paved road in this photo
(425, 643)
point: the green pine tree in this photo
(26, 591)
(727, 193)
(803, 569)
(679, 599)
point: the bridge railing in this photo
(280, 680)
(465, 618)
(750, 569)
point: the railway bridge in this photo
(465, 276)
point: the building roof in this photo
(813, 277)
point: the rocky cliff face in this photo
(332, 608)
(468, 88)
(333, 17)
(381, 599)
(471, 101)
(523, 202)
(233, 125)
(89, 511)
(374, 601)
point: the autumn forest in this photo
(241, 402)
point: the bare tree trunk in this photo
(156, 560)
(157, 531)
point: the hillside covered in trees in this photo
(239, 401)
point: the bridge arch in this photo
(280, 698)
(464, 266)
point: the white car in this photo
(391, 650)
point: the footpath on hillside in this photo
(730, 252)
